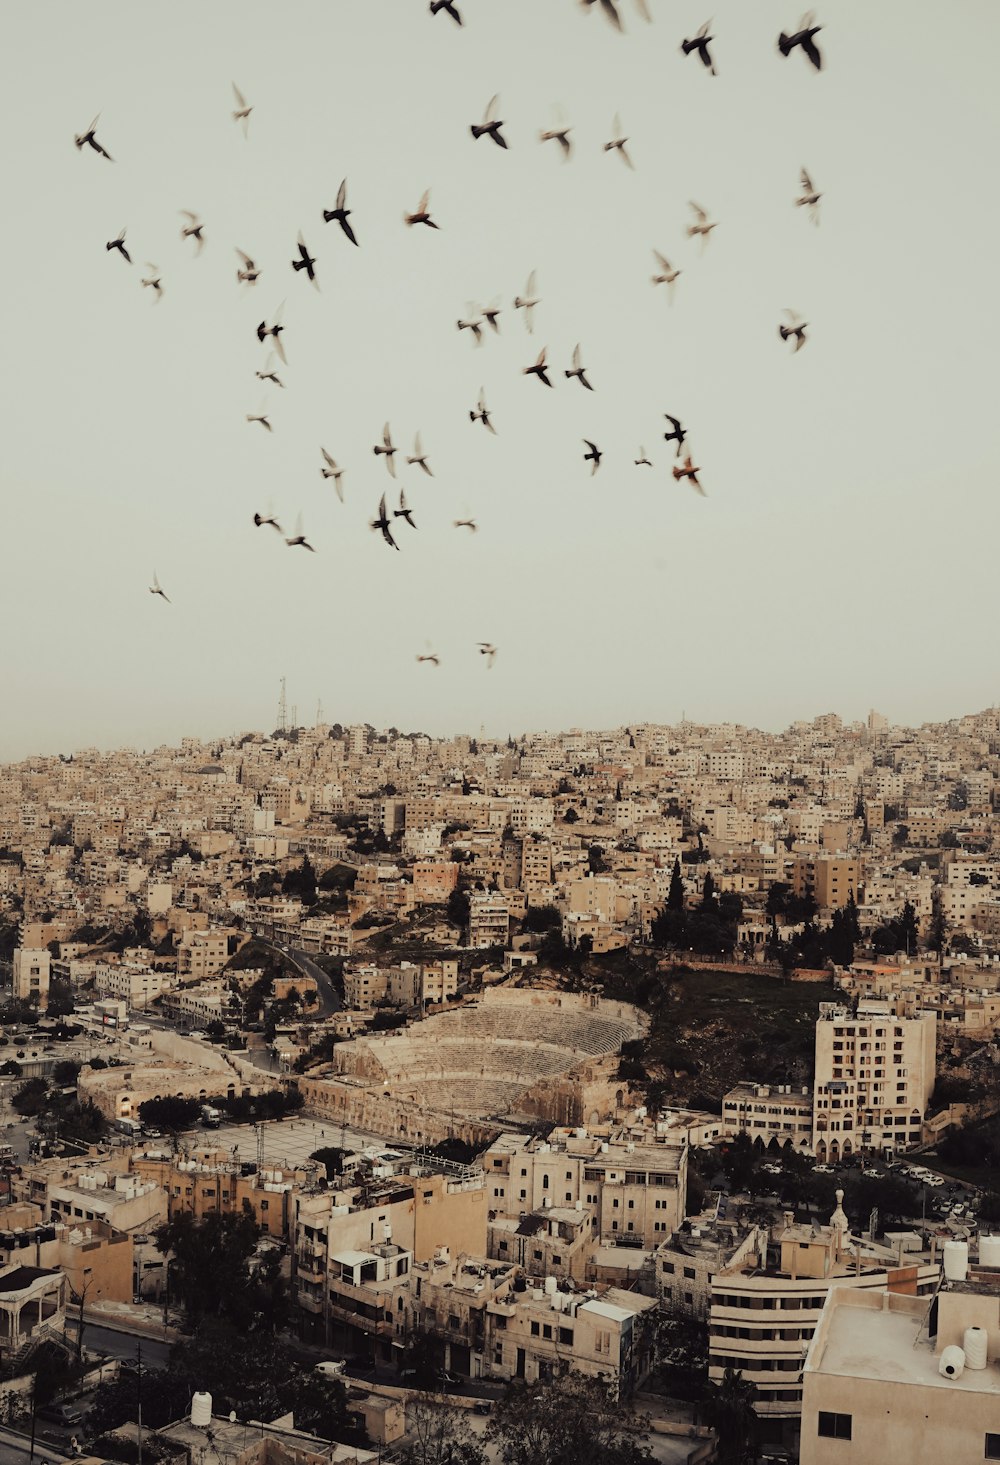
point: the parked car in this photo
(822, 1169)
(69, 1415)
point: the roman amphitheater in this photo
(510, 1055)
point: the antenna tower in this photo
(282, 709)
(319, 713)
(295, 715)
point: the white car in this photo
(822, 1169)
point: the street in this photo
(15, 1447)
(116, 1343)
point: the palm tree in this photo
(730, 1412)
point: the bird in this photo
(474, 325)
(491, 315)
(803, 37)
(274, 331)
(529, 302)
(617, 142)
(560, 134)
(419, 456)
(383, 524)
(269, 374)
(808, 198)
(642, 461)
(796, 327)
(701, 226)
(578, 371)
(610, 9)
(260, 417)
(249, 274)
(668, 274)
(242, 113)
(678, 435)
(305, 261)
(700, 43)
(193, 230)
(299, 536)
(404, 512)
(157, 589)
(268, 518)
(469, 524)
(592, 456)
(386, 451)
(340, 212)
(421, 216)
(690, 472)
(432, 657)
(90, 140)
(153, 282)
(482, 413)
(490, 127)
(487, 649)
(119, 244)
(449, 8)
(539, 369)
(334, 471)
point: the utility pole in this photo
(138, 1354)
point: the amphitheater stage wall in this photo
(379, 1113)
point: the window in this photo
(689, 1273)
(566, 1336)
(546, 1330)
(992, 1447)
(534, 1330)
(838, 1426)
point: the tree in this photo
(729, 1410)
(709, 905)
(675, 895)
(907, 927)
(30, 1098)
(564, 1421)
(458, 908)
(542, 918)
(211, 1273)
(169, 1113)
(332, 1160)
(571, 816)
(439, 1435)
(596, 860)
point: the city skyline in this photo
(849, 486)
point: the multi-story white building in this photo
(780, 1113)
(32, 969)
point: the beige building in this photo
(874, 1077)
(880, 1385)
(830, 879)
(32, 968)
(489, 919)
(778, 1113)
(202, 954)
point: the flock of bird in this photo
(476, 319)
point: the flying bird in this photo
(469, 524)
(617, 141)
(560, 134)
(803, 37)
(491, 314)
(701, 225)
(119, 244)
(274, 331)
(449, 8)
(269, 374)
(432, 657)
(157, 589)
(268, 518)
(690, 472)
(340, 212)
(487, 649)
(677, 435)
(796, 328)
(610, 9)
(193, 230)
(249, 274)
(305, 261)
(299, 536)
(260, 417)
(386, 451)
(404, 512)
(153, 281)
(668, 274)
(539, 369)
(419, 456)
(578, 371)
(700, 43)
(592, 456)
(90, 140)
(334, 471)
(808, 198)
(529, 301)
(490, 127)
(474, 325)
(242, 113)
(642, 461)
(482, 413)
(383, 524)
(421, 216)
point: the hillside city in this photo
(374, 1096)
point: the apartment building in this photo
(874, 1076)
(770, 1114)
(489, 919)
(202, 954)
(830, 879)
(32, 970)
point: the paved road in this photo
(15, 1448)
(119, 1343)
(329, 998)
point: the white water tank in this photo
(201, 1408)
(974, 1347)
(952, 1364)
(989, 1251)
(552, 1286)
(956, 1260)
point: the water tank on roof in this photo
(989, 1251)
(956, 1260)
(551, 1285)
(201, 1408)
(952, 1365)
(974, 1347)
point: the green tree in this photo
(169, 1113)
(211, 1273)
(709, 904)
(675, 895)
(564, 1421)
(439, 1435)
(332, 1160)
(729, 1410)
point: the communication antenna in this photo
(295, 715)
(282, 709)
(319, 713)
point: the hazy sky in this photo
(845, 554)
